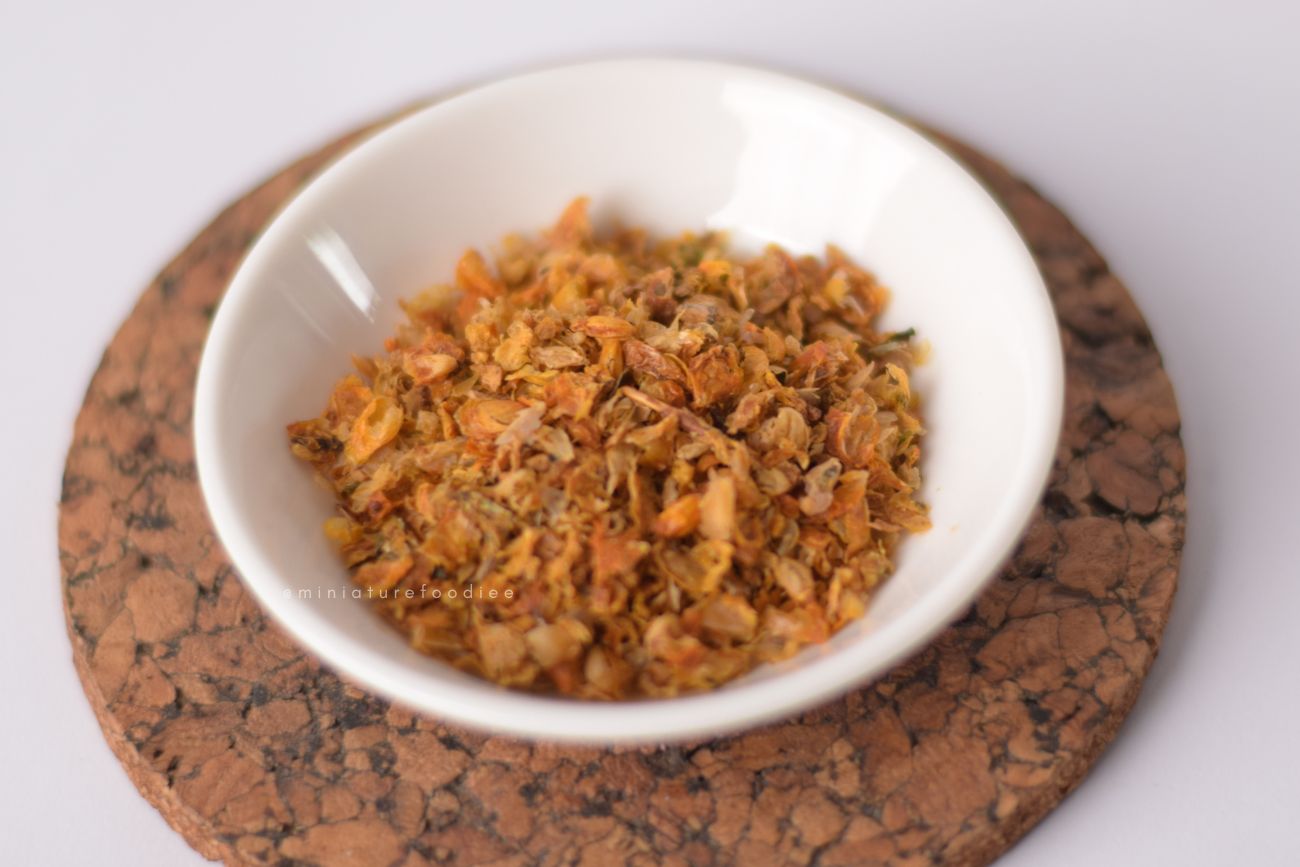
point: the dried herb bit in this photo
(613, 467)
(892, 343)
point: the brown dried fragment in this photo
(487, 419)
(615, 556)
(718, 508)
(657, 294)
(794, 578)
(851, 436)
(729, 617)
(645, 358)
(557, 356)
(512, 353)
(748, 411)
(473, 276)
(679, 519)
(605, 326)
(666, 639)
(490, 377)
(502, 650)
(552, 644)
(573, 229)
(714, 375)
(523, 425)
(426, 368)
(818, 363)
(819, 487)
(570, 395)
(786, 435)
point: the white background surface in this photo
(1170, 134)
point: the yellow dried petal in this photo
(729, 616)
(377, 425)
(718, 508)
(425, 368)
(605, 326)
(473, 276)
(486, 419)
(679, 518)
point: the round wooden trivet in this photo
(257, 755)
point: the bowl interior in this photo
(669, 145)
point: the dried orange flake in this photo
(613, 467)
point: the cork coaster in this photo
(257, 755)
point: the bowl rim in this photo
(729, 708)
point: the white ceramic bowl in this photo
(670, 145)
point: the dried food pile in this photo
(614, 467)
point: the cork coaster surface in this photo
(259, 756)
